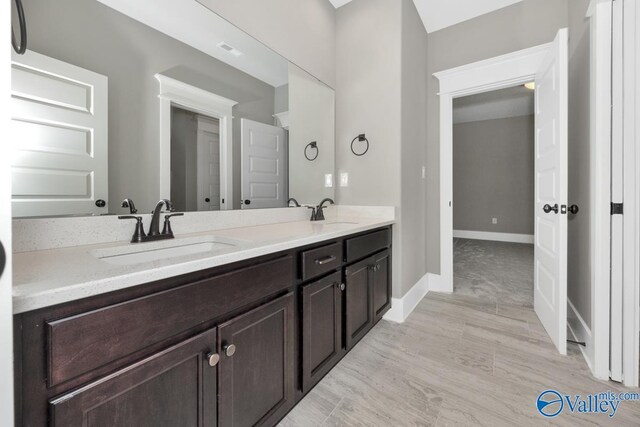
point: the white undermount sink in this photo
(154, 251)
(340, 223)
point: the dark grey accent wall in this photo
(92, 36)
(579, 242)
(493, 175)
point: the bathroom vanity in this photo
(237, 344)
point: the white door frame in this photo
(176, 93)
(484, 76)
(631, 184)
(6, 301)
(497, 73)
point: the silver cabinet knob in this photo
(229, 349)
(342, 286)
(213, 359)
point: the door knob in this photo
(229, 350)
(548, 208)
(213, 359)
(574, 209)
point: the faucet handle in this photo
(313, 212)
(138, 234)
(138, 218)
(166, 228)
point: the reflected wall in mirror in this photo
(114, 100)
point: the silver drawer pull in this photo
(326, 260)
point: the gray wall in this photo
(493, 175)
(93, 36)
(522, 25)
(368, 100)
(413, 149)
(579, 244)
(303, 31)
(381, 91)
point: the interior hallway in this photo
(476, 357)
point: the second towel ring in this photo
(313, 144)
(360, 138)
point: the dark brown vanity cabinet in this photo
(257, 365)
(368, 295)
(174, 387)
(236, 345)
(321, 328)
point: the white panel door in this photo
(550, 269)
(208, 174)
(59, 162)
(264, 165)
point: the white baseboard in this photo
(401, 308)
(495, 237)
(436, 283)
(580, 332)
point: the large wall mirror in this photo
(154, 99)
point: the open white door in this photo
(264, 165)
(551, 184)
(59, 164)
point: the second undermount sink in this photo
(147, 252)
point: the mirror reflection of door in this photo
(195, 161)
(264, 165)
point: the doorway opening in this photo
(546, 66)
(493, 199)
(195, 161)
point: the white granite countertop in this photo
(49, 277)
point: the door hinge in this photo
(617, 208)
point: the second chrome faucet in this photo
(154, 233)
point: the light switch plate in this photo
(494, 220)
(328, 180)
(424, 172)
(344, 179)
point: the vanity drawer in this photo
(321, 260)
(82, 343)
(362, 246)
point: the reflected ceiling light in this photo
(228, 48)
(530, 85)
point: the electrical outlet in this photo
(494, 221)
(344, 179)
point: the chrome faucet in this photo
(154, 233)
(317, 213)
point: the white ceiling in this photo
(511, 102)
(439, 14)
(204, 32)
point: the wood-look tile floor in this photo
(478, 356)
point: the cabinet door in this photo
(176, 387)
(257, 365)
(359, 301)
(321, 328)
(381, 284)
